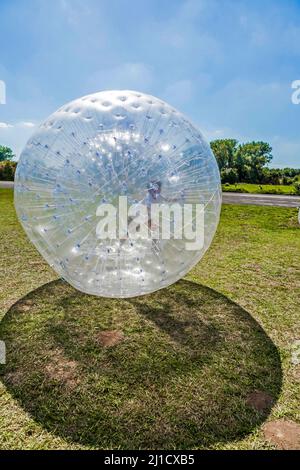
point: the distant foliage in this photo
(297, 187)
(7, 166)
(7, 170)
(6, 154)
(229, 175)
(247, 163)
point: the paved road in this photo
(236, 198)
(261, 199)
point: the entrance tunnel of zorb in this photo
(96, 151)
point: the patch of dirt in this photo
(61, 369)
(259, 401)
(24, 306)
(296, 373)
(110, 338)
(295, 359)
(252, 267)
(14, 378)
(283, 433)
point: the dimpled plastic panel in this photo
(90, 152)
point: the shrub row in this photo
(7, 170)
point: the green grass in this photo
(259, 188)
(188, 358)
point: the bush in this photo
(272, 191)
(241, 190)
(7, 170)
(297, 188)
(287, 181)
(229, 175)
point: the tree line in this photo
(7, 165)
(248, 163)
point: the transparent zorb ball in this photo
(105, 148)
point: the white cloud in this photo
(5, 125)
(26, 124)
(22, 124)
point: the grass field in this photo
(175, 369)
(259, 188)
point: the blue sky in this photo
(227, 64)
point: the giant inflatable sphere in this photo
(88, 179)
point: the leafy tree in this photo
(271, 176)
(224, 151)
(243, 162)
(290, 172)
(286, 180)
(6, 154)
(251, 158)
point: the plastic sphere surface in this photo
(111, 190)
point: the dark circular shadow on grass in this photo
(173, 369)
